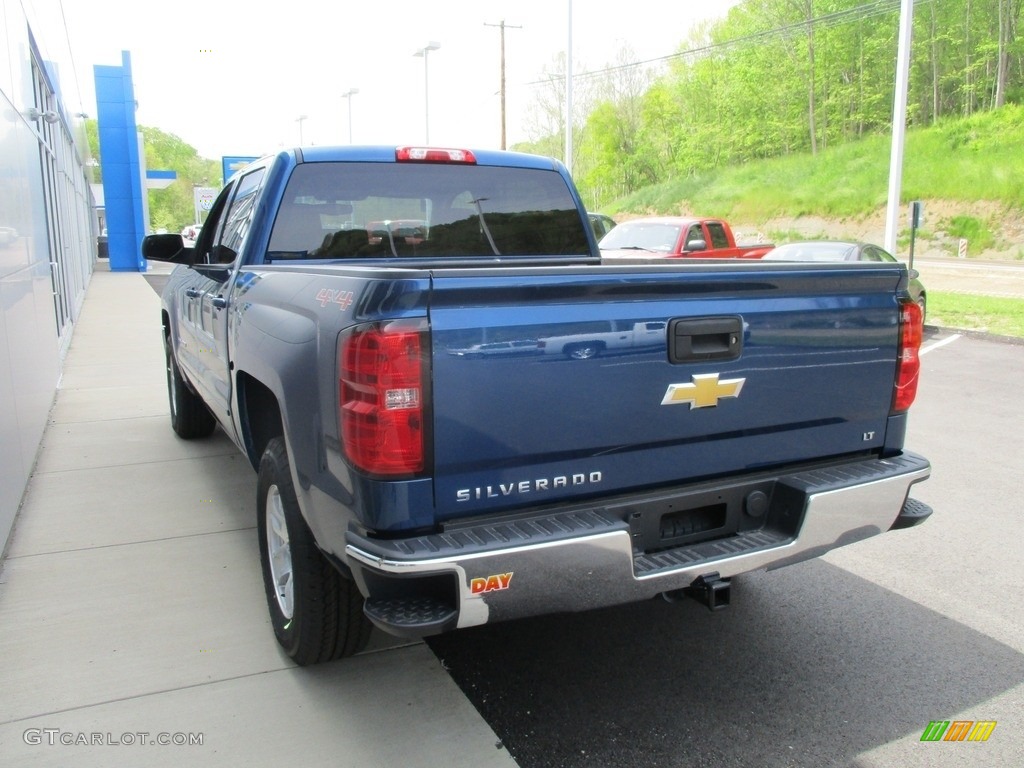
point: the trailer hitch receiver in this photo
(710, 590)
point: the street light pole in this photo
(347, 95)
(899, 124)
(299, 121)
(422, 52)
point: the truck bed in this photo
(805, 374)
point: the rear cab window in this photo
(357, 210)
(718, 237)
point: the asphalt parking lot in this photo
(130, 603)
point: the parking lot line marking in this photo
(937, 344)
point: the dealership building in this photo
(48, 229)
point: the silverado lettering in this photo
(424, 358)
(526, 486)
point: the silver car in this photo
(837, 250)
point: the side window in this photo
(718, 237)
(694, 233)
(871, 254)
(210, 232)
(238, 218)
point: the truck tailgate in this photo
(757, 365)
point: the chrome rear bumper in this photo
(584, 558)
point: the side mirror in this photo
(169, 248)
(696, 245)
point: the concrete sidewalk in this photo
(132, 609)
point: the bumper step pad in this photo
(681, 557)
(914, 512)
(410, 616)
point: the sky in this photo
(234, 78)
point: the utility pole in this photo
(503, 26)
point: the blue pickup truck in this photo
(322, 321)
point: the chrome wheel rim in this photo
(279, 554)
(172, 386)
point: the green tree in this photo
(780, 77)
(171, 208)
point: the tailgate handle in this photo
(705, 338)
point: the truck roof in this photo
(387, 154)
(680, 220)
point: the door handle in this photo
(219, 302)
(705, 338)
(193, 293)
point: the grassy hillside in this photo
(972, 169)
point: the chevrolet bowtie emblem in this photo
(703, 392)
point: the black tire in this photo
(317, 613)
(190, 418)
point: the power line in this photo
(71, 55)
(858, 13)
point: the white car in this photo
(519, 347)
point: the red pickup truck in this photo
(675, 237)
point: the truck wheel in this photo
(583, 351)
(316, 612)
(190, 417)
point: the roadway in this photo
(1002, 279)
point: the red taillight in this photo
(434, 155)
(908, 365)
(380, 371)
